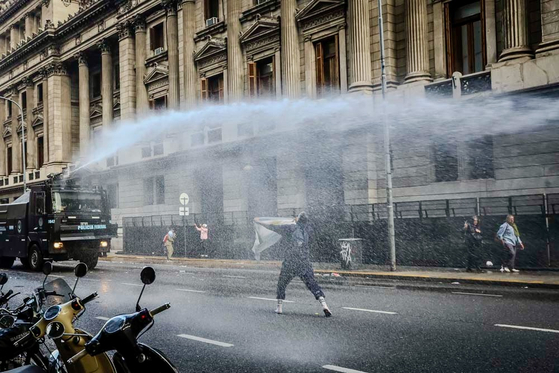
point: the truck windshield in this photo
(76, 202)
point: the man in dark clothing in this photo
(297, 262)
(473, 241)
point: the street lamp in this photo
(388, 162)
(22, 141)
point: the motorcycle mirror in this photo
(148, 275)
(3, 278)
(55, 330)
(79, 271)
(47, 270)
(6, 322)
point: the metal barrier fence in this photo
(428, 233)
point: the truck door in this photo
(37, 219)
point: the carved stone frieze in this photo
(320, 13)
(265, 31)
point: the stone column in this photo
(31, 146)
(234, 53)
(2, 45)
(189, 31)
(417, 55)
(16, 135)
(59, 114)
(142, 102)
(127, 57)
(359, 33)
(490, 31)
(173, 53)
(83, 71)
(516, 31)
(106, 81)
(2, 141)
(291, 61)
(46, 122)
(550, 27)
(14, 36)
(29, 22)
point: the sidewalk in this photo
(530, 279)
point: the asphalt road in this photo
(223, 321)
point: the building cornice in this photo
(30, 47)
(13, 7)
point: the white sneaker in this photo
(507, 270)
(502, 269)
(515, 270)
(325, 308)
(279, 308)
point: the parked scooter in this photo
(15, 349)
(121, 333)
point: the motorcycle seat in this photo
(26, 369)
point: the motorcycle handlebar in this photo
(89, 298)
(4, 298)
(77, 356)
(160, 309)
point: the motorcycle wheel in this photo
(36, 358)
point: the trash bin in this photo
(351, 252)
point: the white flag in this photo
(265, 237)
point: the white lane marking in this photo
(527, 328)
(205, 340)
(126, 283)
(336, 368)
(191, 291)
(102, 318)
(366, 310)
(478, 294)
(57, 276)
(275, 300)
(376, 287)
(231, 276)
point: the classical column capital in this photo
(28, 15)
(81, 58)
(124, 30)
(45, 3)
(27, 82)
(170, 7)
(104, 46)
(139, 23)
(56, 69)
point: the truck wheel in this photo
(6, 262)
(35, 258)
(91, 260)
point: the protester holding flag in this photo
(296, 262)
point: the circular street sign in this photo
(184, 199)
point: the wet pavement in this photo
(222, 320)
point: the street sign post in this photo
(184, 212)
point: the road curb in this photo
(401, 276)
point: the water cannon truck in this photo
(56, 220)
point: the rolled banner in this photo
(266, 233)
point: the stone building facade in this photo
(79, 66)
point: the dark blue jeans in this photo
(302, 270)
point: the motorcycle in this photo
(16, 326)
(121, 334)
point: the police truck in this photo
(56, 220)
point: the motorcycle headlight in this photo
(51, 313)
(115, 324)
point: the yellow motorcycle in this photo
(58, 323)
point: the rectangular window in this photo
(160, 190)
(211, 9)
(327, 66)
(261, 77)
(116, 75)
(446, 162)
(465, 37)
(26, 152)
(154, 148)
(214, 135)
(148, 191)
(24, 101)
(40, 152)
(96, 85)
(112, 195)
(212, 88)
(9, 106)
(159, 103)
(40, 203)
(481, 158)
(9, 160)
(157, 37)
(39, 94)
